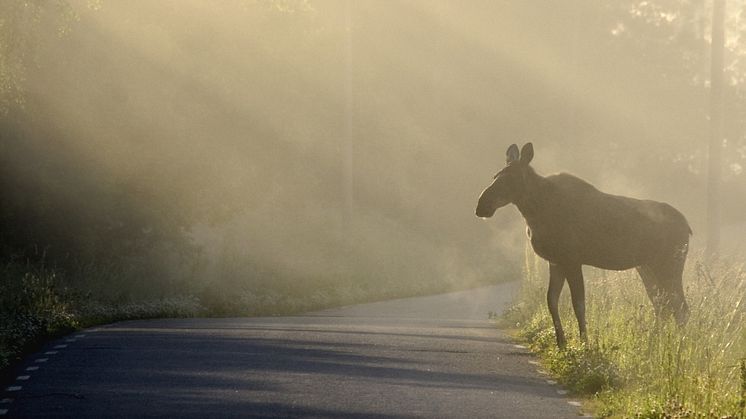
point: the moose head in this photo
(509, 184)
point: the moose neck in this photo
(530, 203)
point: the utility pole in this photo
(714, 172)
(348, 178)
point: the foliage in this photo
(31, 307)
(37, 302)
(22, 26)
(637, 366)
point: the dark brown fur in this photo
(571, 223)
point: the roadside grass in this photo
(38, 303)
(634, 366)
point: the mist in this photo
(282, 148)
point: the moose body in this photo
(571, 223)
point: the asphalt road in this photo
(428, 357)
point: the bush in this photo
(31, 307)
(36, 303)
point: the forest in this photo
(263, 157)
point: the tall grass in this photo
(38, 302)
(634, 365)
(31, 306)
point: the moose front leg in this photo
(556, 282)
(577, 291)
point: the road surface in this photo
(430, 357)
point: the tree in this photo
(716, 127)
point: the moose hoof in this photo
(561, 343)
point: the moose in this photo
(571, 223)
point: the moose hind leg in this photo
(556, 282)
(577, 291)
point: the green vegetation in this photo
(633, 366)
(37, 303)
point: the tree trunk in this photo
(348, 177)
(716, 127)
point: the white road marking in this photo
(23, 377)
(542, 372)
(42, 360)
(519, 346)
(533, 362)
(32, 368)
(562, 392)
(79, 336)
(551, 382)
(13, 388)
(50, 353)
(60, 346)
(574, 403)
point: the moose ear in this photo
(512, 154)
(527, 153)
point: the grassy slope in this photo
(633, 367)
